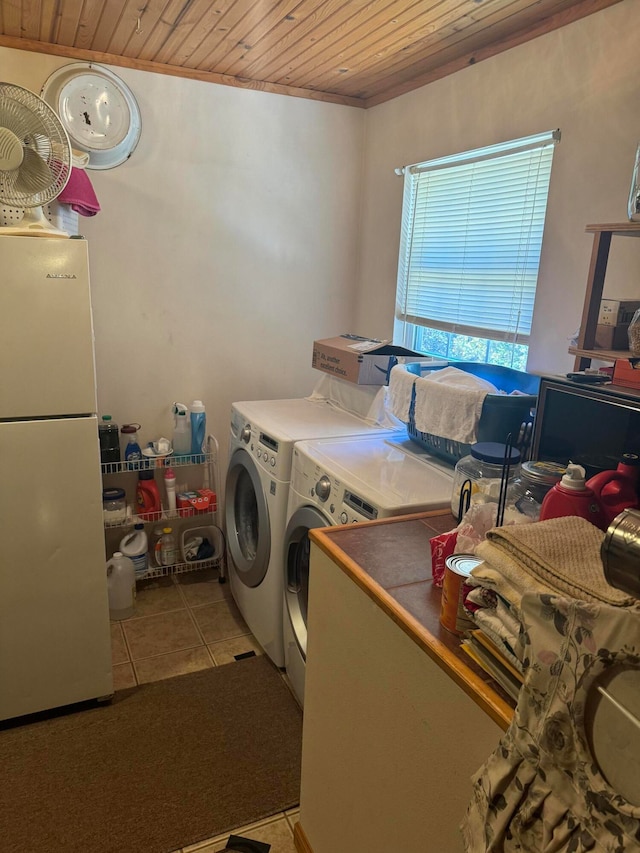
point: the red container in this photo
(148, 496)
(617, 490)
(571, 496)
(197, 502)
(626, 372)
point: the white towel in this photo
(367, 402)
(449, 403)
(401, 384)
(511, 588)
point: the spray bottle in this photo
(181, 430)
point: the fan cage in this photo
(38, 127)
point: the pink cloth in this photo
(79, 193)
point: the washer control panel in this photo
(324, 490)
(262, 446)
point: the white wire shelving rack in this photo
(202, 521)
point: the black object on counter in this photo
(238, 844)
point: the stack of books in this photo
(486, 654)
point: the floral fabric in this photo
(541, 791)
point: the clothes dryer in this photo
(263, 434)
(345, 481)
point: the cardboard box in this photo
(626, 372)
(612, 337)
(363, 361)
(615, 312)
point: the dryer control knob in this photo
(245, 433)
(323, 488)
(344, 517)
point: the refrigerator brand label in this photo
(61, 275)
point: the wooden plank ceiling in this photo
(358, 52)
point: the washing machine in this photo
(345, 481)
(263, 434)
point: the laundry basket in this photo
(501, 413)
(207, 531)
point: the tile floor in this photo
(182, 624)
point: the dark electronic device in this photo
(589, 425)
(589, 378)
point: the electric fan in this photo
(35, 159)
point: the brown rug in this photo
(163, 766)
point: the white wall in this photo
(229, 240)
(225, 245)
(582, 79)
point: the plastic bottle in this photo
(135, 546)
(181, 431)
(132, 451)
(572, 497)
(167, 547)
(121, 587)
(147, 495)
(617, 490)
(154, 548)
(170, 487)
(198, 427)
(109, 437)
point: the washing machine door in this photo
(247, 520)
(296, 582)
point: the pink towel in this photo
(80, 194)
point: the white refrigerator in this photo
(54, 613)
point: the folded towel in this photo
(561, 552)
(509, 580)
(506, 642)
(449, 403)
(79, 193)
(485, 599)
(401, 384)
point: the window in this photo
(470, 244)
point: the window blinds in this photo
(471, 237)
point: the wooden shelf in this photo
(601, 354)
(618, 229)
(585, 350)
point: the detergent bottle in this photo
(181, 430)
(132, 451)
(121, 586)
(198, 427)
(147, 496)
(135, 545)
(571, 496)
(617, 490)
